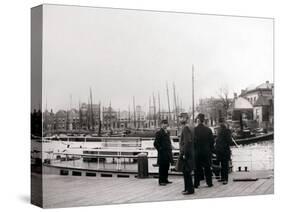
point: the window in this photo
(257, 113)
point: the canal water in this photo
(257, 156)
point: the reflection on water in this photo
(258, 156)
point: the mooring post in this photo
(142, 165)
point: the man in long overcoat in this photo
(222, 148)
(186, 156)
(163, 145)
(204, 146)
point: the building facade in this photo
(109, 118)
(61, 120)
(49, 121)
(262, 99)
(140, 117)
(213, 108)
(73, 119)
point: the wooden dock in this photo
(71, 191)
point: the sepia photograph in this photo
(131, 106)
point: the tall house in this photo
(110, 118)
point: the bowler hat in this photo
(183, 115)
(221, 120)
(201, 116)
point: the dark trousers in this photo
(224, 161)
(163, 171)
(203, 165)
(188, 183)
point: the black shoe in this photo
(220, 180)
(224, 182)
(162, 184)
(196, 186)
(187, 192)
(210, 185)
(168, 182)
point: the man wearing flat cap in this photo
(163, 145)
(204, 146)
(222, 148)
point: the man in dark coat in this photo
(163, 145)
(223, 152)
(186, 156)
(204, 146)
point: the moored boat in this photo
(254, 139)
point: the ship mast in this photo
(99, 132)
(89, 115)
(149, 115)
(175, 102)
(118, 124)
(159, 111)
(134, 112)
(68, 113)
(110, 124)
(193, 119)
(169, 109)
(129, 119)
(91, 111)
(154, 110)
(80, 117)
(67, 121)
(70, 101)
(105, 117)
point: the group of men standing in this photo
(197, 146)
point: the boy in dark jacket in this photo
(163, 145)
(223, 150)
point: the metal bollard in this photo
(246, 168)
(239, 168)
(142, 165)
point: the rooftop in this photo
(263, 101)
(264, 86)
(241, 103)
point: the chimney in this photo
(267, 84)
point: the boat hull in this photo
(260, 138)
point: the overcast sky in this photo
(126, 53)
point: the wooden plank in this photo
(270, 189)
(68, 191)
(264, 187)
(250, 189)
